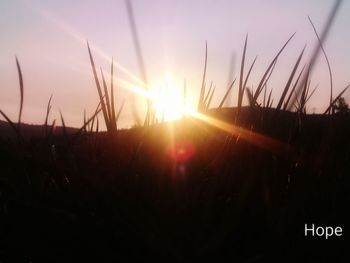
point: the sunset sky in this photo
(49, 38)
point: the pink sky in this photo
(45, 37)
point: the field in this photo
(107, 198)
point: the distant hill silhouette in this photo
(265, 118)
(30, 130)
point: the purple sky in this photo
(48, 36)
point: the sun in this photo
(168, 99)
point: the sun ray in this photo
(69, 30)
(262, 141)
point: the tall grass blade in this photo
(286, 88)
(53, 125)
(63, 125)
(241, 94)
(20, 77)
(264, 98)
(136, 40)
(327, 60)
(137, 46)
(250, 97)
(316, 51)
(311, 94)
(240, 86)
(210, 98)
(108, 104)
(302, 101)
(265, 83)
(249, 71)
(226, 94)
(97, 125)
(208, 93)
(293, 89)
(120, 110)
(97, 110)
(84, 123)
(269, 101)
(114, 123)
(104, 111)
(261, 84)
(270, 105)
(48, 109)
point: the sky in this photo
(49, 39)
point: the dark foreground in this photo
(211, 197)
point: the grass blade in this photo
(63, 125)
(226, 94)
(261, 84)
(53, 125)
(97, 126)
(316, 51)
(98, 109)
(265, 83)
(250, 97)
(20, 77)
(302, 101)
(249, 71)
(120, 110)
(104, 111)
(312, 93)
(108, 105)
(136, 40)
(269, 101)
(84, 123)
(326, 57)
(240, 86)
(208, 93)
(210, 98)
(286, 88)
(293, 89)
(48, 109)
(149, 115)
(270, 106)
(114, 123)
(264, 98)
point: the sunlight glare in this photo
(264, 142)
(168, 99)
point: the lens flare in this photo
(181, 151)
